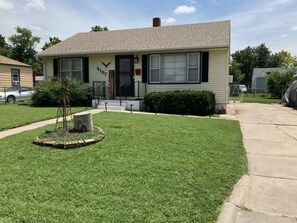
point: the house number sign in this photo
(102, 70)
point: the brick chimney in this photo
(156, 22)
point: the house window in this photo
(15, 77)
(175, 68)
(155, 68)
(71, 68)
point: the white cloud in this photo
(284, 35)
(185, 9)
(294, 28)
(35, 4)
(6, 5)
(282, 2)
(169, 20)
(36, 28)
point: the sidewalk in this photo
(268, 193)
(36, 125)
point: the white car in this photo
(242, 88)
(16, 93)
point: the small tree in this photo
(23, 47)
(4, 47)
(277, 83)
(52, 41)
(98, 28)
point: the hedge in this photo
(185, 102)
(47, 94)
(277, 83)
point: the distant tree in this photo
(4, 47)
(286, 59)
(262, 56)
(274, 60)
(245, 60)
(23, 47)
(98, 28)
(235, 71)
(52, 41)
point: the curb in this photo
(232, 206)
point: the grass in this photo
(255, 98)
(149, 168)
(15, 115)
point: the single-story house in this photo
(135, 61)
(14, 73)
(259, 78)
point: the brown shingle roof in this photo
(8, 61)
(190, 36)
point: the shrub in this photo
(277, 83)
(181, 102)
(47, 94)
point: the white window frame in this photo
(69, 70)
(17, 81)
(198, 67)
(188, 67)
(159, 68)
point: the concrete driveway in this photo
(269, 192)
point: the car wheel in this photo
(10, 99)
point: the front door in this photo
(124, 76)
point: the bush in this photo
(47, 94)
(277, 83)
(181, 102)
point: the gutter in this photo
(134, 51)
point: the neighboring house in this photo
(14, 73)
(135, 61)
(259, 78)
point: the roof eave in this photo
(133, 51)
(18, 65)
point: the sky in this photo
(273, 22)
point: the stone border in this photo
(70, 144)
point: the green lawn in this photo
(14, 115)
(255, 98)
(149, 168)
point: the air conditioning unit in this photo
(15, 83)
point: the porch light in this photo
(136, 59)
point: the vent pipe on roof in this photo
(156, 22)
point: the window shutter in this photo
(144, 68)
(204, 64)
(86, 69)
(56, 67)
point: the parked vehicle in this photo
(242, 88)
(237, 89)
(16, 93)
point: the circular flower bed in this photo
(69, 139)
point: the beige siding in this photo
(97, 71)
(26, 75)
(217, 79)
(95, 65)
(218, 75)
(48, 68)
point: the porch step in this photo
(111, 105)
(135, 105)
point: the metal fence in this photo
(3, 94)
(103, 90)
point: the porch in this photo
(126, 96)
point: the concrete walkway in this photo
(36, 125)
(269, 192)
